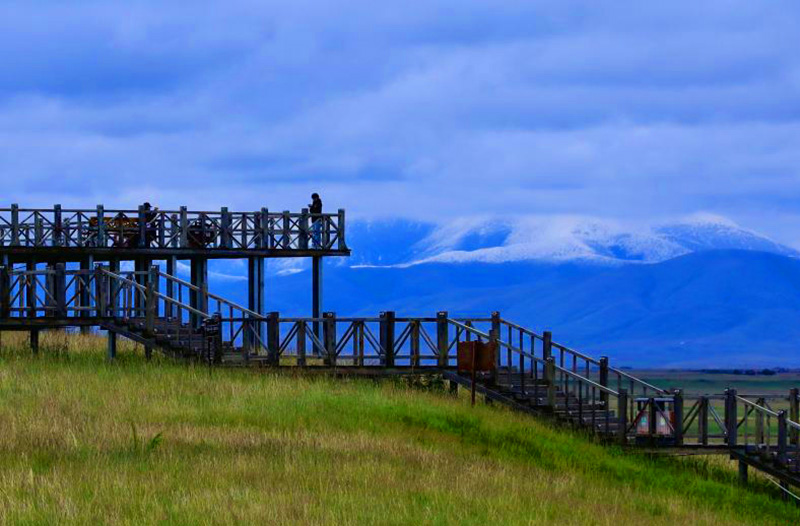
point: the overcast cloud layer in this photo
(635, 111)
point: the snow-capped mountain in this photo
(552, 239)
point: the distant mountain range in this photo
(699, 293)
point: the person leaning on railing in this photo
(316, 217)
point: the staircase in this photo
(175, 338)
(543, 398)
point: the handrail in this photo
(220, 299)
(760, 408)
(639, 380)
(166, 298)
(534, 358)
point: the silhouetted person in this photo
(151, 223)
(316, 217)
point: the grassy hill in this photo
(88, 442)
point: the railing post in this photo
(101, 226)
(263, 228)
(5, 292)
(56, 225)
(782, 436)
(142, 227)
(415, 330)
(14, 224)
(60, 290)
(604, 378)
(702, 420)
(151, 301)
(496, 328)
(100, 292)
(225, 227)
(794, 414)
(329, 338)
(494, 337)
(184, 219)
(342, 244)
(731, 420)
(442, 338)
(387, 337)
(550, 378)
(678, 411)
(286, 237)
(622, 409)
(547, 345)
(303, 229)
(273, 338)
(652, 417)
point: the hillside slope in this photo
(134, 443)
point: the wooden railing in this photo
(168, 229)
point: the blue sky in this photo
(631, 111)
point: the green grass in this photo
(83, 441)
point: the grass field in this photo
(88, 442)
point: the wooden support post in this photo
(329, 339)
(199, 299)
(172, 269)
(604, 378)
(60, 290)
(31, 291)
(442, 338)
(316, 297)
(622, 409)
(142, 222)
(494, 338)
(387, 337)
(113, 289)
(142, 269)
(151, 307)
(112, 345)
(731, 420)
(255, 298)
(5, 292)
(35, 341)
(742, 473)
(759, 417)
(782, 438)
(794, 415)
(273, 338)
(678, 412)
(301, 343)
(342, 244)
(453, 388)
(85, 296)
(550, 378)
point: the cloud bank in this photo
(434, 110)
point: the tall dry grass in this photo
(84, 441)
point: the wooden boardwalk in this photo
(183, 319)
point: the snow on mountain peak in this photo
(586, 239)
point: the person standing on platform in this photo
(316, 217)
